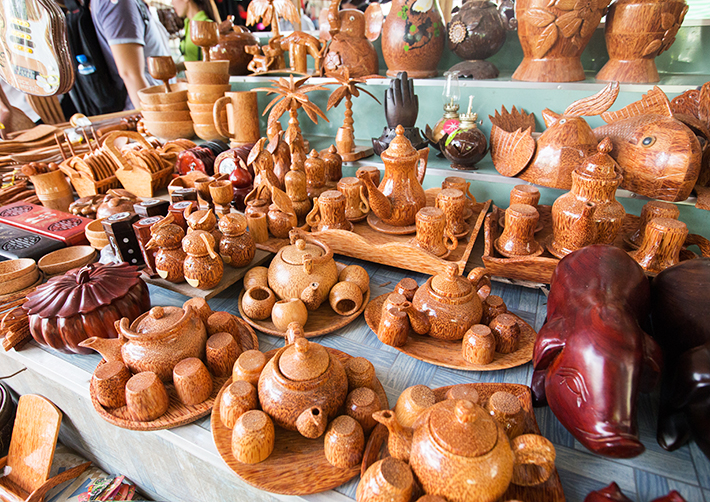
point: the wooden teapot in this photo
(305, 269)
(303, 386)
(450, 303)
(460, 452)
(156, 341)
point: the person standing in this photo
(192, 10)
(128, 34)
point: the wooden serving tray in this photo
(540, 268)
(447, 353)
(178, 413)
(549, 491)
(320, 322)
(366, 243)
(297, 466)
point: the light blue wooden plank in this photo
(349, 488)
(446, 376)
(551, 428)
(577, 487)
(520, 374)
(583, 463)
(689, 492)
(407, 371)
(701, 463)
(650, 486)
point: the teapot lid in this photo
(294, 254)
(160, 319)
(449, 284)
(463, 428)
(600, 165)
(303, 360)
(400, 147)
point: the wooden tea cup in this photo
(344, 442)
(360, 404)
(284, 312)
(661, 246)
(193, 382)
(394, 326)
(360, 373)
(236, 400)
(412, 402)
(506, 330)
(258, 226)
(257, 302)
(464, 391)
(518, 237)
(357, 275)
(453, 203)
(372, 172)
(345, 298)
(222, 351)
(407, 287)
(460, 183)
(493, 306)
(109, 384)
(222, 194)
(388, 480)
(328, 212)
(257, 276)
(202, 185)
(479, 345)
(162, 68)
(432, 233)
(505, 408)
(221, 321)
(525, 194)
(534, 459)
(146, 397)
(252, 437)
(248, 367)
(356, 205)
(651, 210)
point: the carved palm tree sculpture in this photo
(268, 11)
(348, 87)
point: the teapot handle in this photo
(481, 280)
(313, 217)
(532, 450)
(422, 164)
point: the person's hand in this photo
(401, 104)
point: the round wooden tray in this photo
(447, 353)
(549, 491)
(297, 466)
(178, 413)
(320, 322)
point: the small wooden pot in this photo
(257, 276)
(284, 312)
(479, 345)
(345, 298)
(493, 306)
(506, 332)
(412, 402)
(258, 302)
(109, 384)
(505, 408)
(357, 275)
(253, 437)
(146, 397)
(360, 404)
(237, 399)
(193, 383)
(388, 480)
(248, 367)
(360, 373)
(344, 442)
(222, 352)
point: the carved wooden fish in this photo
(660, 157)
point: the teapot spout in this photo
(399, 443)
(379, 203)
(311, 423)
(311, 296)
(419, 320)
(109, 348)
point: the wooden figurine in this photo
(315, 175)
(350, 45)
(281, 156)
(345, 137)
(659, 156)
(678, 303)
(281, 216)
(461, 441)
(333, 165)
(203, 267)
(636, 32)
(591, 322)
(297, 191)
(303, 386)
(553, 36)
(232, 41)
(477, 31)
(170, 258)
(400, 194)
(550, 158)
(237, 246)
(401, 109)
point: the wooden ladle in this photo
(162, 68)
(204, 34)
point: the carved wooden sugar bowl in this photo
(85, 303)
(306, 267)
(156, 341)
(303, 386)
(452, 303)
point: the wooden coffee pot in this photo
(156, 341)
(305, 269)
(303, 386)
(458, 441)
(451, 303)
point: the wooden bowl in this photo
(170, 130)
(207, 132)
(167, 116)
(221, 66)
(95, 234)
(204, 97)
(12, 269)
(21, 282)
(156, 95)
(200, 107)
(208, 88)
(194, 77)
(62, 260)
(202, 118)
(170, 107)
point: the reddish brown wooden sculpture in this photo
(612, 493)
(349, 47)
(680, 304)
(592, 358)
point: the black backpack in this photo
(97, 93)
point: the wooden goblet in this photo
(204, 34)
(222, 194)
(162, 68)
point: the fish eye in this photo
(563, 121)
(648, 141)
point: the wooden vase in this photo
(413, 38)
(553, 36)
(636, 31)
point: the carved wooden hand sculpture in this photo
(680, 304)
(592, 357)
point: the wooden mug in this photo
(459, 183)
(360, 373)
(328, 212)
(432, 233)
(518, 237)
(525, 194)
(661, 246)
(360, 404)
(356, 205)
(505, 408)
(493, 306)
(453, 202)
(242, 117)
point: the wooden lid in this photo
(450, 284)
(232, 224)
(303, 360)
(400, 148)
(600, 165)
(160, 319)
(463, 428)
(294, 254)
(194, 242)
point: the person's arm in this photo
(130, 61)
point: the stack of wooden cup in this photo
(165, 114)
(207, 82)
